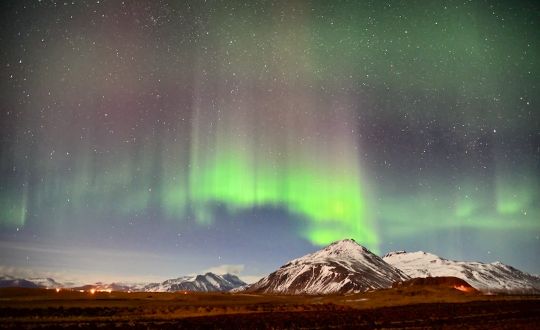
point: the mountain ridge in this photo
(342, 267)
(492, 277)
(208, 282)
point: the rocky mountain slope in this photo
(344, 266)
(486, 277)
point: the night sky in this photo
(152, 139)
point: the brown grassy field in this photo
(414, 308)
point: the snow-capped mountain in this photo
(343, 266)
(203, 283)
(46, 283)
(11, 282)
(486, 277)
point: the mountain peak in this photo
(343, 248)
(348, 242)
(344, 241)
(343, 266)
(209, 274)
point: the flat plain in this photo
(411, 308)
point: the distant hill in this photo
(441, 281)
(208, 282)
(201, 283)
(12, 282)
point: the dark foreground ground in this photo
(410, 309)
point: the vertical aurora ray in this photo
(517, 187)
(315, 176)
(273, 140)
(13, 210)
(329, 195)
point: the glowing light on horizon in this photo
(463, 288)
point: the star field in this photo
(170, 137)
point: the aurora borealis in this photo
(169, 137)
